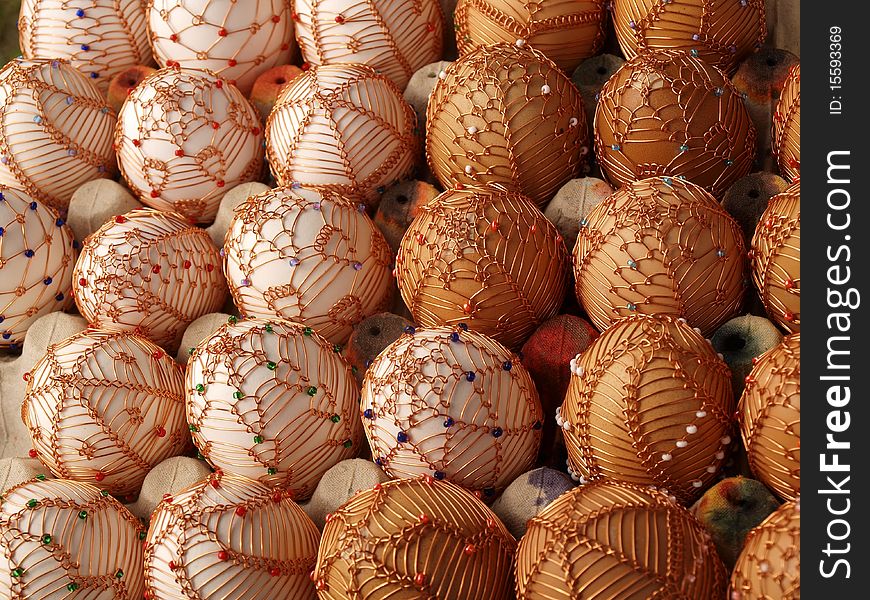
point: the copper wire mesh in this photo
(770, 417)
(776, 258)
(418, 538)
(105, 408)
(612, 540)
(100, 38)
(235, 40)
(649, 403)
(566, 31)
(787, 126)
(506, 114)
(306, 256)
(719, 32)
(62, 539)
(55, 130)
(37, 252)
(668, 113)
(660, 246)
(394, 37)
(272, 401)
(229, 538)
(453, 404)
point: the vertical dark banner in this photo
(834, 255)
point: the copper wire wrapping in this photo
(786, 130)
(770, 564)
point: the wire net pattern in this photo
(229, 538)
(650, 403)
(105, 408)
(63, 539)
(787, 126)
(770, 417)
(235, 40)
(453, 404)
(668, 113)
(613, 540)
(776, 258)
(509, 115)
(394, 37)
(272, 401)
(37, 253)
(719, 32)
(55, 130)
(414, 538)
(566, 31)
(100, 38)
(660, 246)
(483, 256)
(150, 272)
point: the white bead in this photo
(725, 440)
(581, 371)
(682, 443)
(545, 89)
(764, 566)
(468, 169)
(472, 130)
(690, 429)
(573, 122)
(442, 75)
(721, 357)
(666, 456)
(720, 455)
(697, 484)
(697, 330)
(520, 43)
(682, 319)
(566, 426)
(701, 414)
(711, 469)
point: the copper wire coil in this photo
(786, 132)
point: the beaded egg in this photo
(650, 403)
(506, 114)
(787, 126)
(105, 408)
(453, 404)
(307, 256)
(151, 272)
(776, 258)
(342, 128)
(414, 538)
(99, 38)
(770, 417)
(272, 401)
(64, 539)
(55, 130)
(185, 138)
(719, 32)
(229, 538)
(669, 113)
(37, 254)
(483, 256)
(566, 31)
(611, 539)
(660, 246)
(394, 37)
(234, 40)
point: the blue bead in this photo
(367, 363)
(368, 413)
(448, 422)
(2, 318)
(496, 432)
(2, 197)
(59, 297)
(47, 281)
(2, 231)
(80, 13)
(470, 376)
(29, 253)
(489, 491)
(537, 425)
(439, 475)
(59, 222)
(454, 337)
(85, 47)
(7, 335)
(507, 365)
(402, 437)
(76, 244)
(463, 326)
(379, 462)
(94, 75)
(33, 206)
(410, 330)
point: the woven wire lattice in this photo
(660, 246)
(609, 540)
(63, 539)
(650, 403)
(668, 113)
(229, 538)
(417, 538)
(786, 130)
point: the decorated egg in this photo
(394, 37)
(99, 38)
(229, 538)
(611, 539)
(506, 114)
(417, 538)
(486, 257)
(566, 31)
(272, 401)
(650, 403)
(453, 404)
(769, 567)
(104, 408)
(151, 272)
(37, 254)
(660, 246)
(341, 128)
(310, 257)
(787, 126)
(184, 139)
(65, 539)
(235, 40)
(55, 130)
(669, 113)
(776, 258)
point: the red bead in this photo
(255, 130)
(321, 586)
(294, 15)
(420, 579)
(274, 571)
(285, 46)
(276, 497)
(100, 476)
(222, 32)
(232, 62)
(328, 517)
(789, 283)
(137, 143)
(232, 81)
(209, 267)
(222, 555)
(377, 487)
(467, 308)
(241, 511)
(155, 269)
(120, 219)
(26, 376)
(219, 84)
(186, 264)
(470, 549)
(215, 483)
(424, 519)
(533, 228)
(83, 282)
(748, 379)
(167, 498)
(789, 316)
(276, 19)
(305, 66)
(172, 565)
(494, 225)
(420, 238)
(155, 194)
(754, 360)
(428, 479)
(220, 183)
(179, 152)
(459, 186)
(215, 125)
(161, 432)
(339, 19)
(430, 27)
(31, 453)
(147, 595)
(173, 37)
(490, 522)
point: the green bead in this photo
(41, 477)
(32, 503)
(258, 439)
(72, 587)
(200, 388)
(193, 428)
(307, 331)
(190, 351)
(17, 572)
(311, 391)
(271, 470)
(143, 535)
(104, 493)
(336, 349)
(354, 370)
(335, 418)
(348, 443)
(238, 395)
(46, 539)
(271, 366)
(269, 328)
(83, 514)
(200, 455)
(232, 320)
(119, 574)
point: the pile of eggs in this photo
(183, 101)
